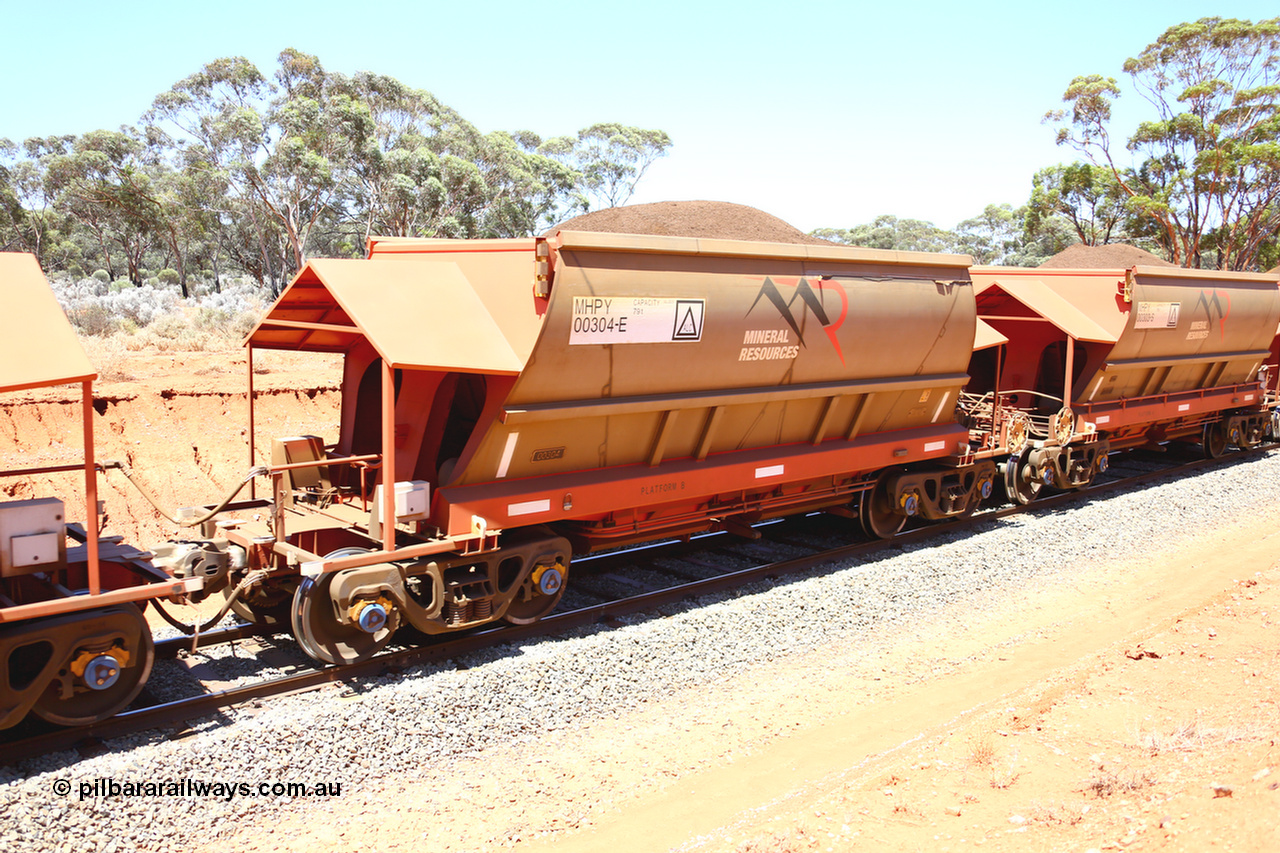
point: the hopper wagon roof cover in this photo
(415, 315)
(1045, 302)
(38, 347)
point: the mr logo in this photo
(1213, 304)
(811, 301)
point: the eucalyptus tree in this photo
(30, 221)
(995, 236)
(608, 160)
(12, 218)
(530, 189)
(1206, 170)
(100, 179)
(415, 174)
(891, 232)
(1086, 197)
(283, 149)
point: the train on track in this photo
(508, 404)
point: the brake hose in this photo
(123, 467)
(251, 579)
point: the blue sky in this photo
(825, 114)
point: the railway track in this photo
(691, 568)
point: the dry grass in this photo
(1055, 814)
(982, 751)
(779, 842)
(1194, 736)
(984, 756)
(1107, 782)
(109, 355)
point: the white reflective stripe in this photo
(935, 445)
(1095, 387)
(770, 471)
(938, 411)
(529, 507)
(507, 453)
(1184, 407)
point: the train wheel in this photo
(269, 603)
(1018, 484)
(327, 639)
(97, 682)
(1214, 440)
(538, 595)
(876, 511)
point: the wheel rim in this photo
(86, 705)
(1018, 432)
(1214, 440)
(876, 511)
(1020, 488)
(318, 631)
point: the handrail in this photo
(316, 463)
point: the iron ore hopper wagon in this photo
(509, 403)
(1101, 360)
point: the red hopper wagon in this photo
(509, 403)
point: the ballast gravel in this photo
(431, 716)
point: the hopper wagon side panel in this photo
(1186, 333)
(669, 386)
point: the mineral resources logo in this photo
(811, 302)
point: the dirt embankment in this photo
(181, 424)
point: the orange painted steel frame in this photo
(795, 474)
